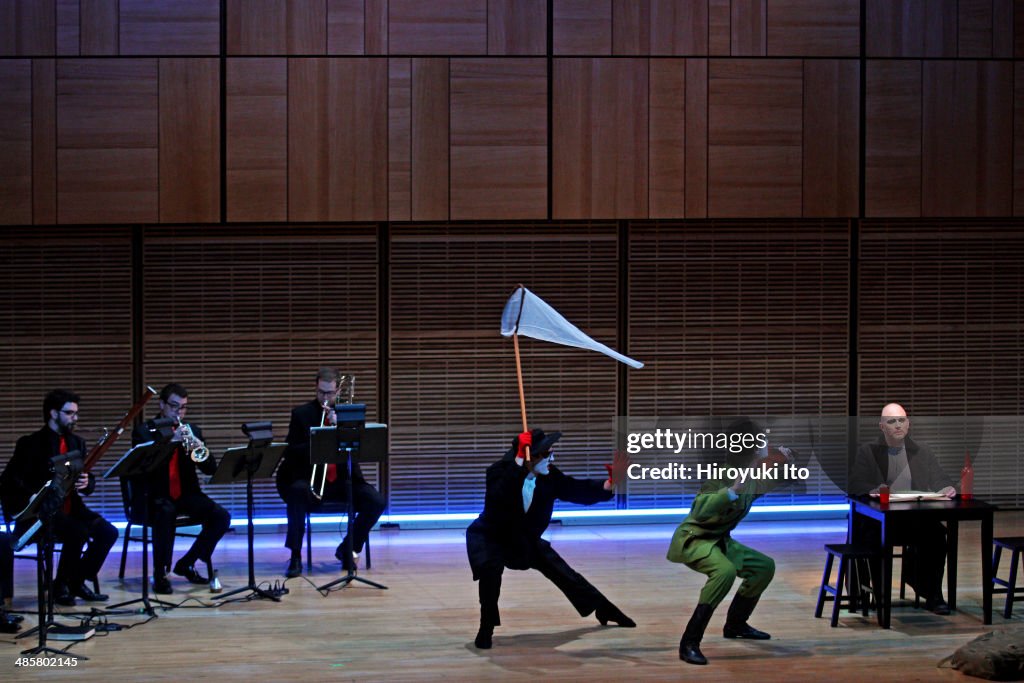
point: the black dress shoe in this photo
(89, 595)
(483, 637)
(189, 572)
(744, 631)
(348, 563)
(937, 606)
(162, 585)
(691, 654)
(610, 612)
(9, 623)
(62, 595)
(294, 568)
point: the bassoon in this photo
(109, 437)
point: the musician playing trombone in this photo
(304, 490)
(74, 524)
(173, 489)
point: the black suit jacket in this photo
(156, 484)
(504, 529)
(295, 463)
(29, 469)
(871, 467)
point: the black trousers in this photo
(367, 502)
(74, 530)
(580, 592)
(924, 561)
(6, 568)
(215, 521)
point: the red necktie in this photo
(332, 473)
(175, 476)
(62, 449)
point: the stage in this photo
(422, 627)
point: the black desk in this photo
(906, 515)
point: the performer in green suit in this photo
(702, 542)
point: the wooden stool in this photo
(845, 552)
(1015, 544)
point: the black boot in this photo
(736, 625)
(483, 636)
(689, 645)
(609, 612)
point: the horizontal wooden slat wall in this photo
(738, 318)
(940, 308)
(454, 405)
(67, 323)
(245, 318)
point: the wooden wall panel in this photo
(660, 27)
(27, 27)
(667, 138)
(967, 152)
(477, 267)
(754, 137)
(696, 155)
(517, 27)
(911, 28)
(498, 139)
(68, 27)
(748, 28)
(346, 27)
(107, 114)
(813, 28)
(430, 145)
(399, 139)
(99, 27)
(337, 139)
(277, 27)
(242, 321)
(599, 154)
(376, 27)
(184, 27)
(720, 27)
(893, 131)
(257, 139)
(831, 135)
(977, 31)
(582, 27)
(1018, 140)
(439, 27)
(1018, 29)
(44, 141)
(189, 140)
(67, 326)
(15, 141)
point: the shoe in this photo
(937, 606)
(89, 595)
(189, 572)
(162, 585)
(294, 568)
(348, 560)
(62, 595)
(690, 653)
(689, 644)
(9, 623)
(610, 612)
(745, 631)
(483, 637)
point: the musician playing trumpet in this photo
(303, 490)
(173, 489)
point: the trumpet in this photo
(197, 450)
(346, 390)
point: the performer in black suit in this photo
(173, 488)
(295, 472)
(74, 525)
(520, 497)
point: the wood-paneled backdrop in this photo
(783, 206)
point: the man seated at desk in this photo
(900, 463)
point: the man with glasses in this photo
(897, 461)
(172, 489)
(295, 474)
(74, 524)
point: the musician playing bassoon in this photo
(296, 483)
(74, 524)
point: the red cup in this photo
(883, 494)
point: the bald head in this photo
(895, 424)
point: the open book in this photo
(913, 495)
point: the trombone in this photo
(346, 390)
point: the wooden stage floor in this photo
(422, 627)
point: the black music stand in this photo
(139, 460)
(347, 441)
(40, 512)
(257, 460)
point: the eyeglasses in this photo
(895, 420)
(174, 405)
